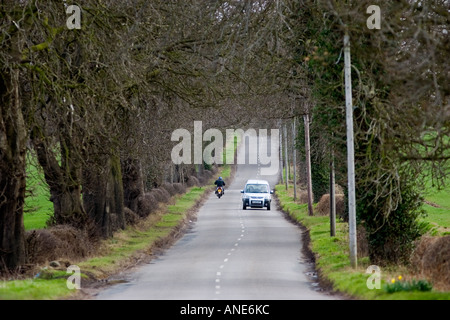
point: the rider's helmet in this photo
(220, 178)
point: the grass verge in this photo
(333, 261)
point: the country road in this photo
(228, 254)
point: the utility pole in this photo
(332, 197)
(294, 159)
(281, 155)
(350, 153)
(308, 165)
(286, 163)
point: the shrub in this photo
(193, 181)
(320, 179)
(391, 233)
(147, 203)
(160, 194)
(204, 178)
(58, 242)
(131, 217)
(179, 188)
(42, 246)
(169, 188)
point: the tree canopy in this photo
(98, 104)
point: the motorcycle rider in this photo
(220, 183)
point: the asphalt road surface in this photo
(228, 254)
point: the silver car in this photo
(256, 194)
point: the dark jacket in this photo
(219, 183)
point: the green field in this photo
(437, 207)
(38, 207)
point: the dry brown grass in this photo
(302, 194)
(58, 242)
(323, 206)
(431, 259)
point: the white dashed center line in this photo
(222, 266)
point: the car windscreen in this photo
(256, 188)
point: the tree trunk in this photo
(103, 195)
(133, 183)
(64, 182)
(13, 137)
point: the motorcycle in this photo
(219, 192)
